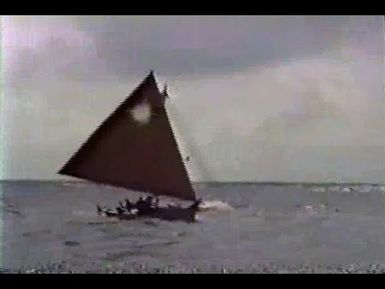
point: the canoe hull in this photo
(164, 213)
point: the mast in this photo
(135, 148)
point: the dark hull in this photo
(176, 214)
(187, 215)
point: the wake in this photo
(215, 206)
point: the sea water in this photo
(53, 226)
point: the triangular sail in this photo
(135, 148)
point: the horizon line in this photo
(218, 182)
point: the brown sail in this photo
(135, 148)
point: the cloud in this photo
(197, 45)
(248, 95)
(97, 47)
(46, 47)
(265, 117)
(299, 93)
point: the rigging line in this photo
(191, 147)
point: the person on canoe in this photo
(128, 205)
(119, 210)
(141, 205)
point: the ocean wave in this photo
(360, 188)
(215, 206)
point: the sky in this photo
(252, 98)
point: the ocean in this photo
(249, 227)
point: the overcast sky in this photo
(252, 98)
